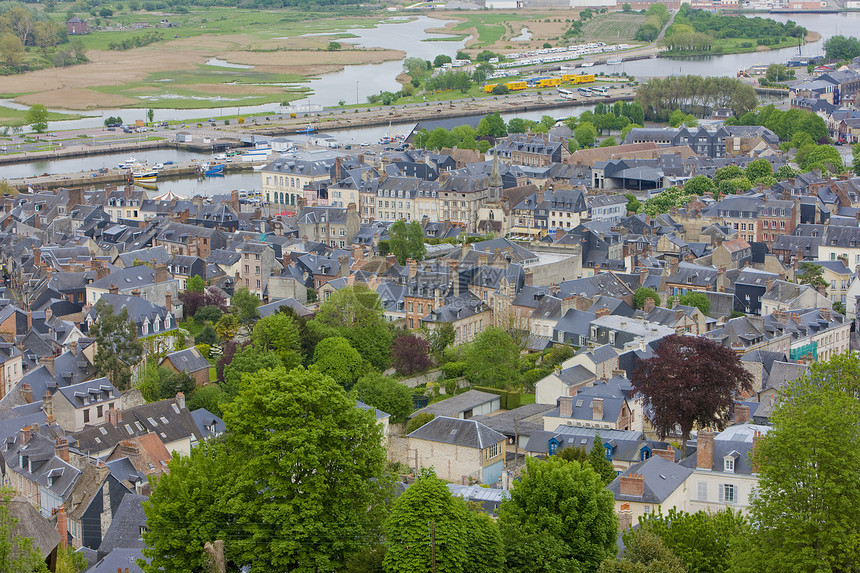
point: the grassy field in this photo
(15, 117)
(490, 27)
(735, 46)
(613, 28)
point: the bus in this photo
(584, 91)
(600, 89)
(578, 78)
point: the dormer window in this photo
(729, 462)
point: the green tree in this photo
(598, 462)
(645, 553)
(779, 73)
(356, 314)
(195, 284)
(633, 204)
(407, 242)
(210, 397)
(559, 517)
(333, 46)
(440, 60)
(298, 437)
(441, 337)
(699, 185)
(336, 358)
(574, 453)
(676, 118)
(823, 157)
(161, 382)
(117, 346)
(703, 541)
(387, 394)
(245, 304)
(492, 125)
(462, 541)
(17, 553)
(643, 293)
(608, 142)
(806, 507)
(812, 275)
(188, 508)
(280, 334)
(246, 361)
(627, 8)
(419, 420)
(227, 327)
(11, 50)
(786, 172)
(207, 335)
(516, 125)
(585, 134)
(697, 299)
(728, 172)
(37, 118)
(492, 359)
(150, 115)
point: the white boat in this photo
(257, 154)
(587, 65)
(614, 61)
(159, 165)
(129, 163)
(258, 167)
(145, 175)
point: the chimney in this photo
(27, 393)
(601, 312)
(101, 270)
(180, 400)
(529, 278)
(61, 449)
(29, 320)
(48, 407)
(756, 437)
(625, 517)
(643, 276)
(24, 435)
(565, 406)
(673, 266)
(37, 257)
(168, 301)
(234, 200)
(632, 484)
(63, 526)
(768, 285)
(160, 273)
(48, 363)
(705, 450)
(742, 413)
(338, 167)
(113, 417)
(668, 454)
(482, 260)
(135, 292)
(825, 313)
(343, 263)
(454, 271)
(413, 268)
(128, 449)
(597, 408)
(650, 303)
(73, 345)
(390, 261)
(113, 289)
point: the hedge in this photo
(510, 399)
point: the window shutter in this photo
(722, 492)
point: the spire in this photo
(495, 185)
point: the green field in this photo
(612, 28)
(15, 117)
(490, 26)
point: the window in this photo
(611, 338)
(702, 491)
(99, 411)
(492, 451)
(729, 465)
(728, 493)
(86, 415)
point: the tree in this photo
(386, 394)
(298, 437)
(440, 60)
(245, 304)
(492, 359)
(559, 517)
(407, 242)
(208, 314)
(118, 348)
(161, 382)
(786, 172)
(691, 380)
(626, 8)
(441, 337)
(574, 453)
(516, 125)
(633, 204)
(501, 89)
(410, 354)
(207, 335)
(728, 172)
(585, 134)
(37, 118)
(703, 541)
(697, 299)
(841, 48)
(608, 142)
(210, 397)
(812, 275)
(822, 157)
(355, 313)
(492, 125)
(336, 358)
(280, 334)
(17, 553)
(644, 553)
(195, 284)
(227, 327)
(333, 46)
(644, 293)
(699, 185)
(246, 361)
(779, 73)
(11, 50)
(462, 541)
(598, 462)
(419, 420)
(676, 118)
(150, 115)
(806, 507)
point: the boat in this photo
(256, 154)
(212, 169)
(150, 186)
(258, 167)
(587, 64)
(129, 163)
(614, 61)
(145, 175)
(308, 129)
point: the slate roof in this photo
(125, 527)
(661, 476)
(737, 438)
(466, 433)
(459, 403)
(189, 360)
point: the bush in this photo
(509, 398)
(501, 89)
(418, 421)
(208, 314)
(454, 369)
(204, 350)
(207, 336)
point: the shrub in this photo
(418, 421)
(454, 369)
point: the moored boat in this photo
(145, 175)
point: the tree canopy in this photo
(559, 517)
(387, 394)
(336, 358)
(118, 348)
(492, 359)
(17, 553)
(690, 380)
(407, 242)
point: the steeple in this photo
(495, 185)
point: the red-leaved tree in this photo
(690, 381)
(410, 354)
